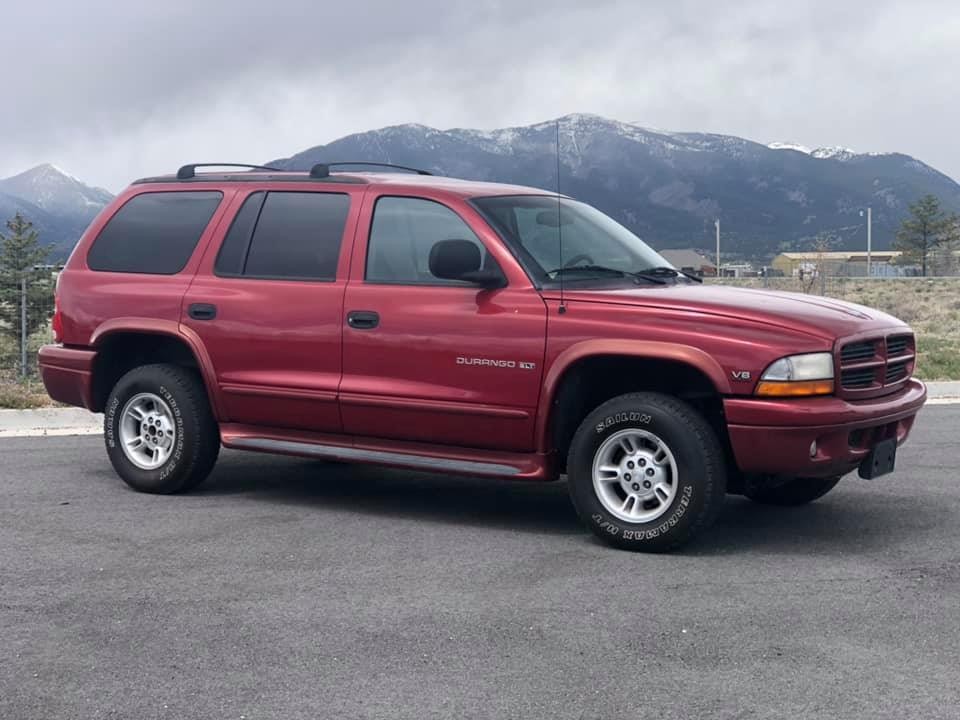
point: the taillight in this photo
(56, 325)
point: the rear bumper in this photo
(68, 374)
(775, 436)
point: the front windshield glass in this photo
(596, 248)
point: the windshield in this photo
(596, 248)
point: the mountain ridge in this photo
(669, 186)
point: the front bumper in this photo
(68, 374)
(775, 436)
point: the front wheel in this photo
(796, 491)
(160, 434)
(646, 472)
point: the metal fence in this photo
(26, 308)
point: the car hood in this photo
(811, 314)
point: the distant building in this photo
(690, 261)
(847, 264)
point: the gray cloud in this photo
(116, 90)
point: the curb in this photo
(77, 421)
(49, 421)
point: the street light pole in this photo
(869, 239)
(716, 224)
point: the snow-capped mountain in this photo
(669, 186)
(56, 191)
(59, 205)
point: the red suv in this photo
(464, 327)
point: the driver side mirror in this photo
(461, 260)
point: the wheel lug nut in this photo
(626, 476)
(636, 486)
(646, 484)
(630, 465)
(650, 472)
(643, 463)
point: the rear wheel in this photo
(646, 472)
(160, 434)
(795, 491)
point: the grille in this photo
(898, 345)
(858, 351)
(876, 363)
(858, 379)
(896, 372)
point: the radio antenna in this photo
(563, 308)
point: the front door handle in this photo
(202, 311)
(363, 319)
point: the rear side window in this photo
(285, 235)
(154, 233)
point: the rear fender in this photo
(172, 329)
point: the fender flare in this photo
(173, 329)
(639, 349)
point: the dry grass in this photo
(931, 306)
(22, 394)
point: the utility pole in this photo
(716, 224)
(23, 327)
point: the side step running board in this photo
(383, 457)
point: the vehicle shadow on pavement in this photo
(524, 506)
(848, 520)
(844, 522)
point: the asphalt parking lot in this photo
(288, 588)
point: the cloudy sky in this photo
(111, 91)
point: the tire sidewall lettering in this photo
(174, 461)
(623, 418)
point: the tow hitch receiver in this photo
(880, 461)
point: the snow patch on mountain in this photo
(834, 153)
(790, 146)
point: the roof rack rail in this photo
(322, 170)
(190, 171)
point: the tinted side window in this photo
(298, 235)
(233, 252)
(402, 234)
(153, 233)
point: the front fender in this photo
(640, 349)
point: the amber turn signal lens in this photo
(802, 388)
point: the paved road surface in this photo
(295, 589)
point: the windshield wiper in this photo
(664, 271)
(604, 270)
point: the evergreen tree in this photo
(20, 254)
(927, 228)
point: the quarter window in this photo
(402, 234)
(153, 233)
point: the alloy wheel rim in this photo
(635, 476)
(148, 433)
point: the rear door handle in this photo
(363, 319)
(202, 311)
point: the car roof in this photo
(453, 186)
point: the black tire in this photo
(196, 443)
(798, 491)
(699, 487)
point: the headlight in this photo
(798, 375)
